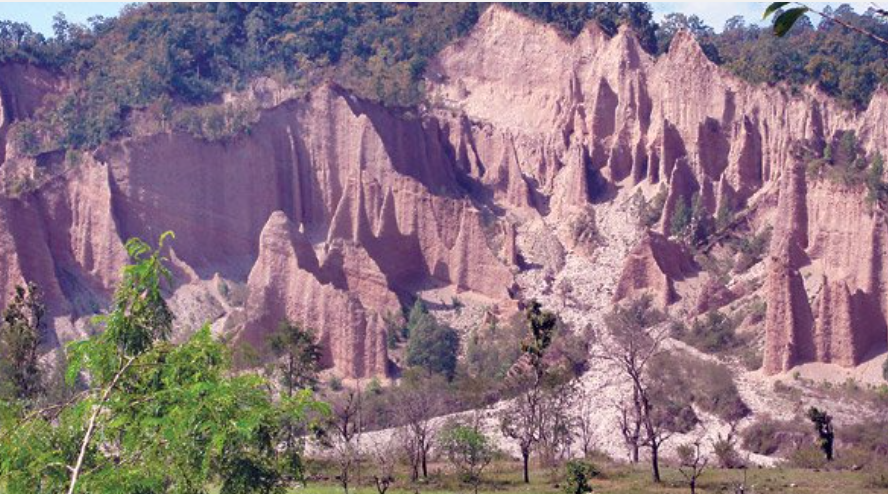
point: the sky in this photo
(39, 15)
(716, 13)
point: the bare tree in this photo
(418, 401)
(692, 463)
(635, 336)
(585, 419)
(385, 456)
(724, 447)
(630, 424)
(557, 424)
(522, 419)
(346, 429)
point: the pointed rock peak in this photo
(684, 47)
(498, 14)
(628, 47)
(499, 20)
(277, 226)
(879, 101)
(280, 236)
(592, 36)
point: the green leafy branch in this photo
(786, 19)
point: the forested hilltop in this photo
(158, 57)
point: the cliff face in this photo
(333, 211)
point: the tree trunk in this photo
(425, 468)
(655, 463)
(693, 486)
(635, 453)
(91, 427)
(525, 457)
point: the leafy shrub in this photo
(752, 249)
(885, 369)
(334, 383)
(767, 436)
(432, 346)
(709, 385)
(715, 332)
(751, 357)
(726, 454)
(491, 351)
(650, 212)
(807, 457)
(878, 481)
(468, 449)
(216, 122)
(870, 436)
(578, 473)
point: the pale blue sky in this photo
(716, 13)
(39, 14)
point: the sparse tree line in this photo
(127, 410)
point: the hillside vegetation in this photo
(158, 57)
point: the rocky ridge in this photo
(517, 181)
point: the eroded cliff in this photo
(334, 211)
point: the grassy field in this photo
(504, 479)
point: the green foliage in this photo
(21, 330)
(650, 212)
(164, 58)
(751, 249)
(491, 351)
(158, 57)
(877, 189)
(767, 436)
(787, 19)
(683, 380)
(468, 449)
(680, 222)
(726, 454)
(542, 325)
(871, 436)
(823, 426)
(723, 216)
(299, 356)
(673, 22)
(156, 417)
(629, 322)
(843, 63)
(712, 333)
(334, 383)
(806, 456)
(569, 18)
(432, 346)
(578, 473)
(692, 223)
(217, 122)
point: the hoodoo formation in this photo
(334, 211)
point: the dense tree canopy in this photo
(158, 57)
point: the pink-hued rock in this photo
(713, 295)
(23, 89)
(652, 267)
(287, 283)
(333, 208)
(848, 325)
(789, 322)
